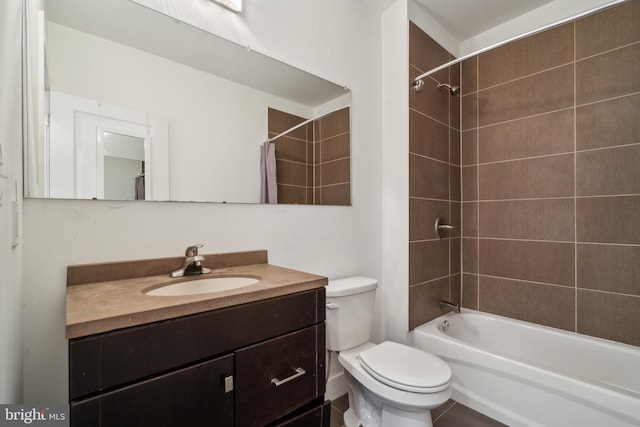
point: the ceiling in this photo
(464, 19)
(467, 18)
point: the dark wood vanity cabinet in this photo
(255, 364)
(192, 396)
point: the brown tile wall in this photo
(551, 177)
(434, 181)
(333, 159)
(294, 158)
(307, 177)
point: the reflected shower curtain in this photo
(35, 101)
(139, 187)
(268, 181)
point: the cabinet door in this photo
(199, 395)
(279, 375)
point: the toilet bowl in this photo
(389, 384)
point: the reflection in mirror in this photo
(80, 134)
(312, 157)
(195, 100)
(123, 167)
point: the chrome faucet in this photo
(447, 306)
(192, 263)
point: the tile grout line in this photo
(477, 182)
(445, 411)
(423, 156)
(556, 285)
(542, 156)
(449, 182)
(533, 199)
(558, 110)
(522, 239)
(461, 208)
(573, 62)
(575, 184)
(429, 281)
(604, 52)
(427, 116)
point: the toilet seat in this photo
(405, 368)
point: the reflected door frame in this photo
(77, 151)
(120, 127)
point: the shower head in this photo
(453, 90)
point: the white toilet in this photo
(389, 384)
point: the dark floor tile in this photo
(337, 418)
(341, 403)
(462, 416)
(449, 414)
(338, 407)
(440, 410)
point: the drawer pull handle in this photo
(299, 372)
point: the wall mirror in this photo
(127, 103)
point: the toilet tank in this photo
(350, 304)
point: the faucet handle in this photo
(193, 250)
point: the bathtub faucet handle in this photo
(442, 228)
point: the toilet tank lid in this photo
(350, 286)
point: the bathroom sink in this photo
(202, 286)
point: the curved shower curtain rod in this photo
(521, 36)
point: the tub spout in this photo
(447, 306)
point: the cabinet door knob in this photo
(299, 372)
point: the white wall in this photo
(211, 142)
(334, 39)
(10, 258)
(395, 130)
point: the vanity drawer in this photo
(277, 376)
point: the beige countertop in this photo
(107, 305)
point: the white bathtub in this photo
(524, 374)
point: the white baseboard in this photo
(336, 387)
